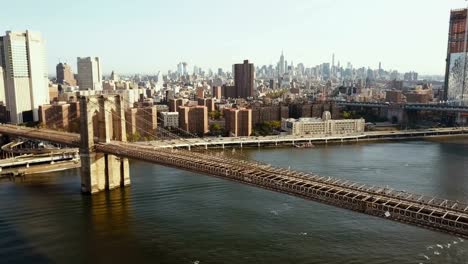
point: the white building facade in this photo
(89, 73)
(322, 126)
(22, 57)
(170, 119)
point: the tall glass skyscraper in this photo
(22, 57)
(456, 74)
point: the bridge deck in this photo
(432, 213)
(69, 139)
(429, 212)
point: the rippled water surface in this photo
(173, 216)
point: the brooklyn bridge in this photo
(105, 155)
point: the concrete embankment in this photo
(41, 168)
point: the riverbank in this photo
(40, 168)
(289, 140)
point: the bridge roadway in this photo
(27, 160)
(289, 139)
(428, 212)
(409, 106)
(68, 139)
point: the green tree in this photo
(215, 127)
(346, 115)
(133, 137)
(215, 115)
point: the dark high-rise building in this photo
(228, 91)
(216, 92)
(455, 73)
(244, 77)
(65, 74)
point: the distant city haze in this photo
(146, 36)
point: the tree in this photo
(215, 115)
(267, 128)
(133, 137)
(346, 115)
(215, 129)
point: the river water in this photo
(174, 216)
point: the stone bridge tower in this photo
(102, 120)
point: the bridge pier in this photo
(102, 120)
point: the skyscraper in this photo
(281, 68)
(65, 74)
(22, 57)
(456, 67)
(89, 73)
(244, 77)
(2, 86)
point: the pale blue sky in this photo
(149, 35)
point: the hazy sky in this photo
(150, 35)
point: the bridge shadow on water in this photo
(45, 219)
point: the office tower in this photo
(333, 60)
(89, 73)
(326, 71)
(114, 77)
(2, 86)
(456, 67)
(65, 74)
(182, 68)
(244, 77)
(22, 57)
(281, 64)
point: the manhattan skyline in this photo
(148, 36)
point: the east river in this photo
(174, 216)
